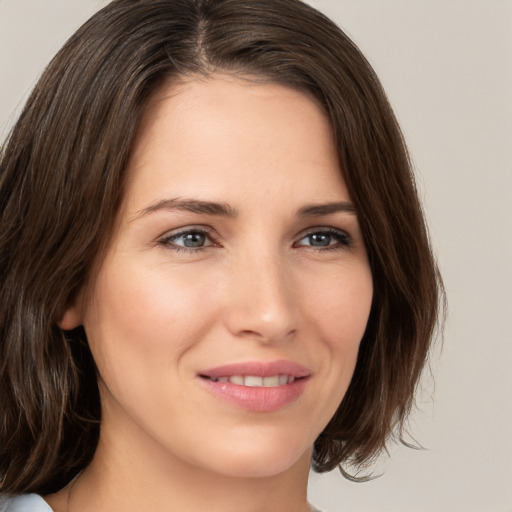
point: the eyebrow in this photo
(190, 205)
(225, 210)
(317, 210)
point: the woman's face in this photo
(238, 267)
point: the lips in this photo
(257, 386)
(258, 368)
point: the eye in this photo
(189, 240)
(327, 238)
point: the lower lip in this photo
(257, 399)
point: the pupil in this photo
(194, 240)
(320, 240)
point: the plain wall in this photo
(447, 68)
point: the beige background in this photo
(447, 67)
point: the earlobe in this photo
(71, 318)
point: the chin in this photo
(261, 459)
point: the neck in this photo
(133, 476)
(136, 486)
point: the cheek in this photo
(336, 312)
(339, 309)
(144, 323)
(340, 304)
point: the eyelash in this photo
(343, 240)
(167, 241)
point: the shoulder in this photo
(23, 503)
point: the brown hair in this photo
(62, 172)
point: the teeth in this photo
(271, 382)
(253, 382)
(236, 379)
(256, 381)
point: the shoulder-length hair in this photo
(62, 174)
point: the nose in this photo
(262, 303)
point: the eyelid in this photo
(329, 230)
(166, 239)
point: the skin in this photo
(257, 290)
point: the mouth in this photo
(257, 386)
(255, 381)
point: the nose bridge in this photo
(263, 303)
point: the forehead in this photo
(211, 134)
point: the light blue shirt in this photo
(24, 503)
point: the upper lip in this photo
(258, 368)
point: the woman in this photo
(215, 269)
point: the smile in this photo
(257, 386)
(254, 381)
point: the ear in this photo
(71, 318)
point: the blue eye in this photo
(192, 239)
(325, 239)
(195, 239)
